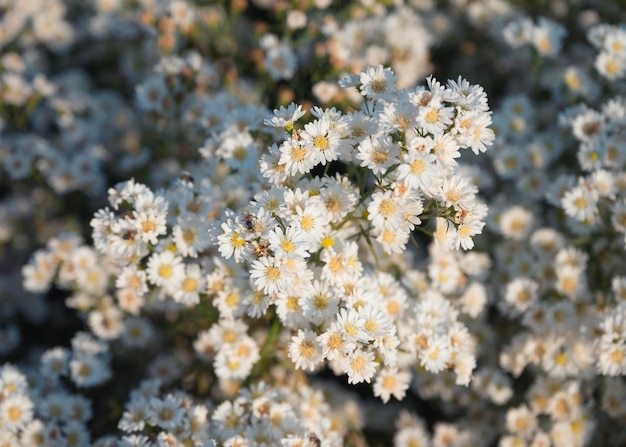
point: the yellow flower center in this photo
(190, 285)
(287, 246)
(432, 116)
(298, 153)
(387, 207)
(165, 271)
(306, 223)
(272, 273)
(14, 413)
(379, 157)
(389, 382)
(321, 142)
(236, 240)
(306, 349)
(334, 341)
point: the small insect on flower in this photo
(186, 177)
(252, 223)
(129, 235)
(314, 441)
(261, 247)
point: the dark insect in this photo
(314, 440)
(186, 177)
(129, 235)
(251, 222)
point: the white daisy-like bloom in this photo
(610, 65)
(335, 343)
(151, 94)
(182, 13)
(88, 371)
(466, 95)
(39, 272)
(437, 356)
(516, 223)
(270, 275)
(281, 61)
(385, 210)
(360, 125)
(341, 266)
(149, 217)
(519, 32)
(232, 242)
(472, 130)
(129, 301)
(570, 281)
(236, 361)
(411, 435)
(387, 348)
(457, 191)
(16, 410)
(374, 322)
(464, 365)
(135, 415)
(435, 117)
(322, 141)
(289, 310)
(166, 413)
(271, 168)
(230, 417)
(230, 302)
(377, 82)
(360, 365)
(312, 220)
(54, 363)
(398, 116)
(378, 153)
(611, 357)
(296, 157)
(33, 434)
(349, 321)
(55, 406)
(285, 116)
(166, 270)
(465, 233)
(138, 332)
(581, 204)
(132, 278)
(191, 236)
(547, 37)
(603, 182)
(446, 150)
(107, 323)
(320, 304)
(224, 332)
(191, 286)
(521, 293)
(338, 197)
(290, 243)
(419, 171)
(391, 382)
(305, 350)
(12, 380)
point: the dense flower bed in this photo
(314, 223)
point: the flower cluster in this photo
(46, 413)
(375, 262)
(611, 59)
(259, 415)
(545, 36)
